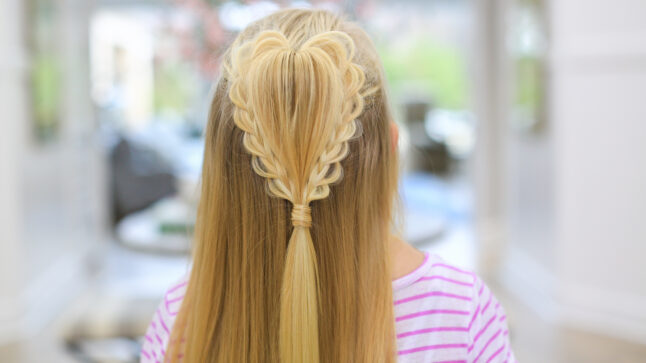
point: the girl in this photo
(294, 260)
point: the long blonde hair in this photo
(291, 259)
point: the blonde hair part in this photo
(292, 86)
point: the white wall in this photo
(599, 117)
(577, 242)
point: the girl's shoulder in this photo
(437, 272)
(445, 312)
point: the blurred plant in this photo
(194, 38)
(437, 67)
(529, 84)
(204, 40)
(45, 71)
(45, 97)
(174, 88)
(529, 42)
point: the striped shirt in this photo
(443, 314)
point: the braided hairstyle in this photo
(297, 140)
(299, 274)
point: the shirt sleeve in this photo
(157, 336)
(488, 331)
(153, 348)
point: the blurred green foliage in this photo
(46, 83)
(175, 88)
(528, 83)
(438, 67)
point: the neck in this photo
(404, 258)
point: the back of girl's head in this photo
(291, 241)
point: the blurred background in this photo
(522, 139)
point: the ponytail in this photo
(297, 107)
(299, 298)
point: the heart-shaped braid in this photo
(297, 107)
(338, 48)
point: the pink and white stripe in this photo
(443, 314)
